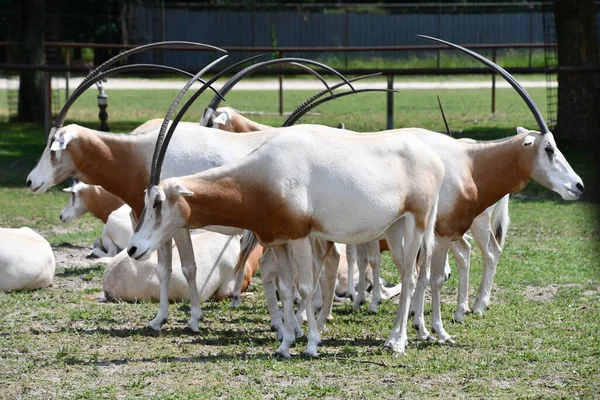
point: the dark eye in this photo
(156, 203)
(549, 150)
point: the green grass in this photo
(61, 343)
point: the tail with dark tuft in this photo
(248, 243)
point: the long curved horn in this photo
(314, 104)
(247, 71)
(448, 131)
(163, 127)
(157, 166)
(320, 94)
(60, 119)
(146, 47)
(508, 77)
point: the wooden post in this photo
(390, 102)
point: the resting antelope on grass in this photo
(98, 158)
(478, 175)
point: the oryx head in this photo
(55, 165)
(76, 206)
(165, 211)
(546, 164)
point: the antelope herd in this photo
(295, 201)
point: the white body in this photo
(116, 233)
(26, 260)
(312, 182)
(216, 255)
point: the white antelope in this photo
(477, 176)
(26, 260)
(311, 182)
(105, 206)
(216, 255)
(97, 158)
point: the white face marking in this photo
(75, 207)
(551, 170)
(158, 222)
(54, 166)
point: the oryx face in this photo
(549, 167)
(55, 165)
(76, 206)
(160, 219)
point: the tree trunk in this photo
(31, 51)
(577, 39)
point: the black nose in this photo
(131, 251)
(28, 182)
(60, 217)
(580, 186)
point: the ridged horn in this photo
(448, 131)
(62, 115)
(292, 121)
(145, 47)
(214, 104)
(156, 171)
(320, 94)
(163, 127)
(508, 77)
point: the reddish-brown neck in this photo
(114, 164)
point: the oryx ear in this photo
(61, 142)
(529, 140)
(520, 130)
(183, 191)
(221, 118)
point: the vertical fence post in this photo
(47, 103)
(494, 83)
(390, 102)
(279, 54)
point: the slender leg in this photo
(236, 294)
(490, 251)
(330, 270)
(268, 274)
(403, 231)
(303, 258)
(285, 277)
(362, 259)
(438, 277)
(351, 258)
(461, 249)
(375, 262)
(188, 268)
(417, 304)
(163, 269)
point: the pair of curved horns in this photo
(163, 139)
(101, 71)
(508, 77)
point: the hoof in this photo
(157, 325)
(396, 346)
(193, 326)
(236, 302)
(282, 353)
(357, 304)
(373, 307)
(458, 318)
(310, 354)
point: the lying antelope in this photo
(311, 182)
(105, 206)
(26, 260)
(216, 255)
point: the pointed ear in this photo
(69, 189)
(221, 118)
(529, 140)
(183, 191)
(61, 142)
(520, 130)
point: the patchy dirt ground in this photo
(549, 292)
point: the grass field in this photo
(540, 339)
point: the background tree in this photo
(578, 93)
(30, 50)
